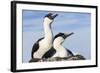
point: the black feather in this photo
(49, 53)
(70, 52)
(51, 16)
(60, 35)
(35, 47)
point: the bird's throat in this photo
(48, 33)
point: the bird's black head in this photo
(63, 35)
(51, 16)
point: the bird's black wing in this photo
(35, 47)
(49, 53)
(70, 52)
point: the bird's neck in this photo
(48, 32)
(58, 46)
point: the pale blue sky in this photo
(79, 23)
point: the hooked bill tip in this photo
(54, 16)
(68, 34)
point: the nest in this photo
(75, 57)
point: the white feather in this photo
(60, 50)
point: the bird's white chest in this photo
(44, 46)
(60, 52)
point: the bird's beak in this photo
(54, 16)
(51, 16)
(67, 35)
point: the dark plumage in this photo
(35, 47)
(70, 52)
(63, 35)
(52, 51)
(49, 53)
(50, 16)
(60, 34)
